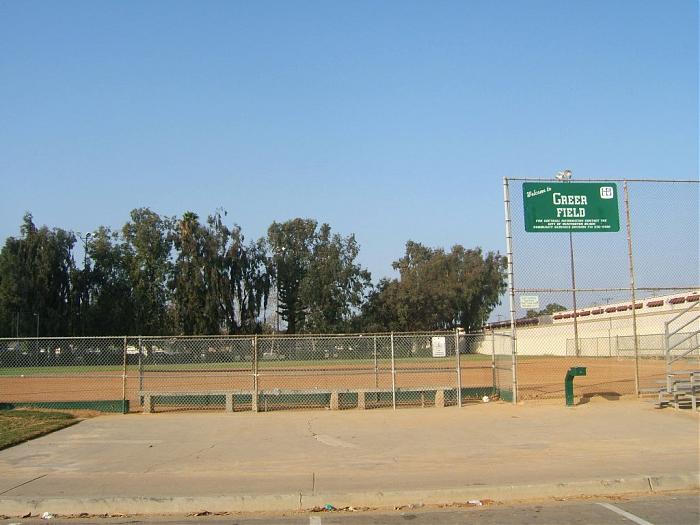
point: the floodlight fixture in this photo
(564, 175)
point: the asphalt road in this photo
(676, 509)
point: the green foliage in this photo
(437, 290)
(550, 309)
(147, 247)
(110, 306)
(253, 286)
(222, 253)
(218, 281)
(159, 275)
(189, 289)
(319, 283)
(292, 245)
(36, 280)
(335, 285)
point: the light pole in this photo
(86, 241)
(277, 309)
(277, 306)
(85, 292)
(37, 324)
(565, 176)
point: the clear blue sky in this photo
(394, 120)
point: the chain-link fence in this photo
(602, 298)
(71, 373)
(258, 373)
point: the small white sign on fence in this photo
(438, 345)
(529, 302)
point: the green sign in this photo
(571, 207)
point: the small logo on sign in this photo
(606, 192)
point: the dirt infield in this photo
(542, 378)
(538, 378)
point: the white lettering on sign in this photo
(534, 193)
(571, 212)
(558, 198)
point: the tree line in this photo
(160, 275)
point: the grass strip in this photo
(18, 426)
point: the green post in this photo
(569, 383)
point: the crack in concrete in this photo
(22, 484)
(171, 460)
(308, 426)
(328, 440)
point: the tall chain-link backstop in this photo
(619, 299)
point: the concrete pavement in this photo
(288, 460)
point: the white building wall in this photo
(606, 334)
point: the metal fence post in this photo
(393, 374)
(493, 362)
(577, 347)
(254, 397)
(632, 288)
(140, 372)
(459, 369)
(376, 369)
(124, 380)
(666, 357)
(511, 290)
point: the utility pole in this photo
(85, 292)
(565, 176)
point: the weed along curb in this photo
(301, 501)
(569, 383)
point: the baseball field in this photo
(196, 383)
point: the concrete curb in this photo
(301, 501)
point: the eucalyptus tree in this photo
(147, 256)
(319, 281)
(254, 284)
(35, 287)
(335, 284)
(219, 282)
(222, 252)
(15, 301)
(110, 307)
